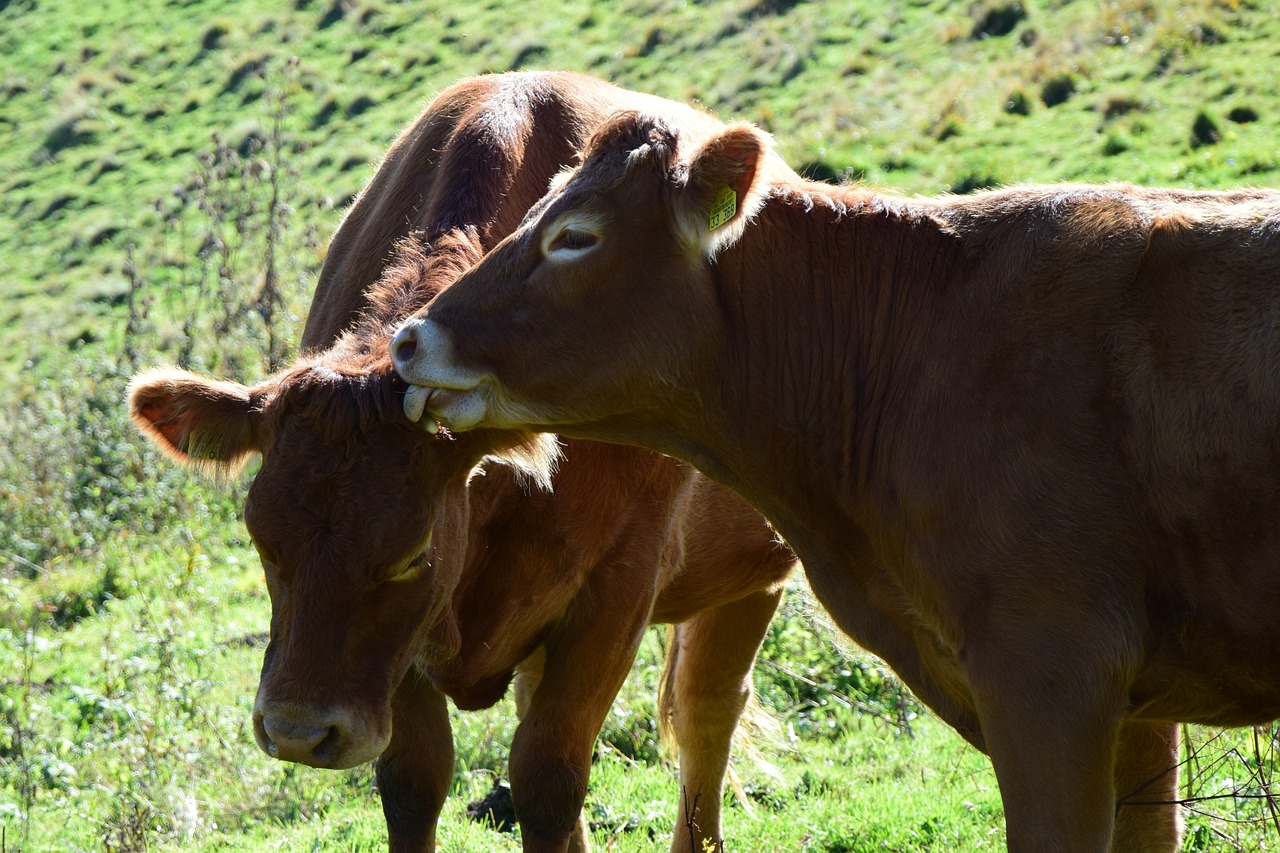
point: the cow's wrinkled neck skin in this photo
(824, 470)
(831, 336)
(842, 381)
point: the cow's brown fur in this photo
(400, 572)
(1026, 443)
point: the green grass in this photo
(129, 723)
(131, 609)
(135, 726)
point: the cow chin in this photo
(328, 738)
(460, 410)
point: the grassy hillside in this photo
(104, 106)
(169, 173)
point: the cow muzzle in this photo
(318, 737)
(423, 354)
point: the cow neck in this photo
(826, 301)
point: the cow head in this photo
(344, 511)
(599, 304)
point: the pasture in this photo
(170, 173)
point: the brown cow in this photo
(400, 573)
(1035, 429)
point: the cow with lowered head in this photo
(403, 567)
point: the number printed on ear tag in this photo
(725, 207)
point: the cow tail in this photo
(758, 731)
(667, 692)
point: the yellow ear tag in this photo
(726, 205)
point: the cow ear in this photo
(195, 420)
(724, 187)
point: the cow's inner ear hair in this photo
(197, 421)
(723, 188)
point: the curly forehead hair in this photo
(415, 274)
(627, 140)
(338, 400)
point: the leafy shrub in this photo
(214, 35)
(1120, 105)
(998, 20)
(75, 473)
(1204, 130)
(1116, 143)
(632, 730)
(1017, 103)
(804, 675)
(74, 128)
(973, 180)
(1057, 89)
(1243, 115)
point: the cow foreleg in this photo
(528, 677)
(416, 769)
(1146, 774)
(710, 684)
(1051, 717)
(587, 659)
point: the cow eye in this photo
(572, 240)
(413, 568)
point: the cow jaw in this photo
(459, 410)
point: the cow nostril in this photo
(297, 740)
(329, 744)
(264, 737)
(404, 346)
